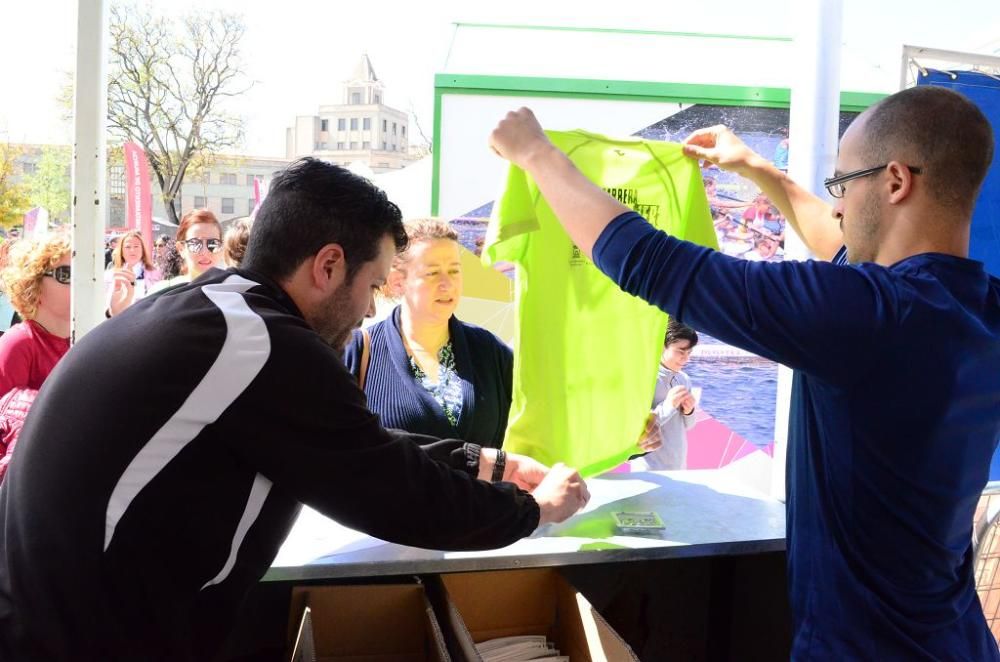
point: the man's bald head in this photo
(938, 130)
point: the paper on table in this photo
(528, 546)
(605, 491)
(315, 536)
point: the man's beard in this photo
(329, 322)
(865, 230)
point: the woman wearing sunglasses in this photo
(36, 279)
(199, 242)
(131, 275)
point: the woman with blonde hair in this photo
(423, 369)
(234, 244)
(131, 275)
(36, 279)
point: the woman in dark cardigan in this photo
(427, 371)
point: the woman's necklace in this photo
(426, 358)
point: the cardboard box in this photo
(372, 623)
(478, 606)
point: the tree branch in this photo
(168, 84)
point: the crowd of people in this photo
(252, 414)
(269, 395)
(35, 276)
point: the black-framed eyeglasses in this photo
(61, 274)
(195, 245)
(835, 185)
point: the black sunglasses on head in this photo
(61, 274)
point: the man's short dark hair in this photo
(677, 332)
(938, 130)
(312, 203)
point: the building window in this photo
(366, 123)
(393, 128)
(228, 178)
(341, 124)
(250, 205)
(384, 125)
(340, 146)
(354, 124)
(403, 129)
(378, 98)
(383, 145)
(116, 182)
(29, 168)
(200, 202)
(356, 98)
(250, 179)
(366, 145)
(354, 145)
(324, 125)
(228, 205)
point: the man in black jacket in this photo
(164, 463)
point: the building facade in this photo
(360, 129)
(225, 186)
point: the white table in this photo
(706, 513)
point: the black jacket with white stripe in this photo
(164, 462)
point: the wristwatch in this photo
(499, 466)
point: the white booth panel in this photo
(471, 174)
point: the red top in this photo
(28, 353)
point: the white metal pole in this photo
(904, 71)
(90, 111)
(812, 134)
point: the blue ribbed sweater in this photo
(483, 362)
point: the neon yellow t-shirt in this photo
(586, 353)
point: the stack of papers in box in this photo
(515, 649)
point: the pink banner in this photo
(259, 193)
(138, 198)
(29, 222)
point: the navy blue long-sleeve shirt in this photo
(895, 415)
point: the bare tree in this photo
(428, 143)
(168, 86)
